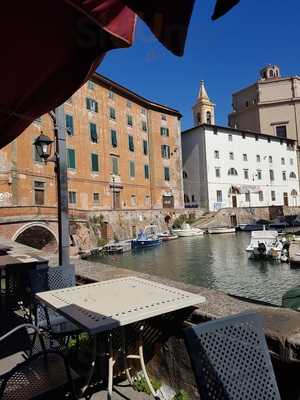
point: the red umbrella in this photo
(51, 47)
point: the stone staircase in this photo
(205, 220)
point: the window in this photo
(91, 104)
(112, 113)
(245, 158)
(261, 196)
(259, 174)
(282, 161)
(130, 143)
(283, 175)
(164, 131)
(281, 131)
(294, 193)
(217, 154)
(147, 200)
(69, 124)
(93, 133)
(271, 175)
(39, 193)
(95, 162)
(247, 197)
(257, 158)
(133, 200)
(96, 198)
(72, 197)
(247, 103)
(111, 95)
(230, 138)
(219, 196)
(246, 174)
(165, 151)
(291, 161)
(129, 104)
(131, 169)
(145, 147)
(143, 111)
(71, 158)
(208, 117)
(91, 85)
(293, 175)
(270, 159)
(146, 171)
(114, 139)
(163, 117)
(36, 156)
(231, 156)
(115, 165)
(129, 120)
(218, 172)
(144, 126)
(185, 175)
(38, 121)
(167, 173)
(232, 171)
(273, 195)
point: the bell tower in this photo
(204, 109)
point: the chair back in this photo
(61, 277)
(230, 359)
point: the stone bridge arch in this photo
(38, 235)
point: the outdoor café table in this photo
(13, 270)
(104, 306)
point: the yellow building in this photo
(124, 152)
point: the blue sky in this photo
(227, 54)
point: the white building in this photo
(226, 167)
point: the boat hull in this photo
(215, 231)
(145, 244)
(187, 234)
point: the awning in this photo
(242, 189)
(49, 48)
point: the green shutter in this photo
(93, 132)
(69, 124)
(71, 159)
(167, 173)
(115, 165)
(130, 143)
(132, 169)
(88, 103)
(146, 171)
(114, 141)
(95, 162)
(145, 147)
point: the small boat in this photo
(166, 236)
(187, 230)
(265, 244)
(250, 227)
(146, 238)
(221, 229)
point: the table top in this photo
(19, 259)
(102, 306)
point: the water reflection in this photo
(213, 261)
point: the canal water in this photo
(213, 261)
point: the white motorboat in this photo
(265, 244)
(221, 229)
(187, 230)
(166, 236)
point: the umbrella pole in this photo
(62, 187)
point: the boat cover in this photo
(291, 299)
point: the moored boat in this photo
(147, 238)
(186, 230)
(221, 229)
(265, 244)
(166, 236)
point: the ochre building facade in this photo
(124, 153)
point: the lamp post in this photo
(43, 145)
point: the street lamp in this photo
(43, 145)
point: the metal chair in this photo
(56, 325)
(38, 376)
(230, 359)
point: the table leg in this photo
(93, 363)
(124, 356)
(111, 363)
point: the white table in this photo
(103, 306)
